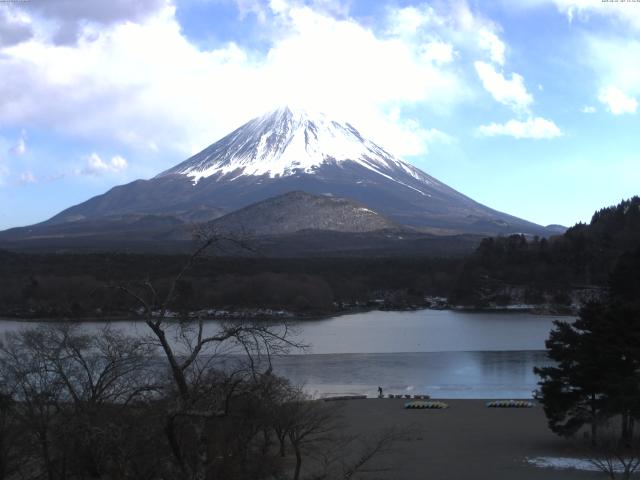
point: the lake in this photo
(443, 353)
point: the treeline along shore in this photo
(85, 285)
(552, 274)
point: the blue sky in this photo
(529, 107)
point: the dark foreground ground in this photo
(466, 441)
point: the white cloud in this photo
(409, 136)
(490, 42)
(20, 148)
(614, 60)
(252, 7)
(617, 101)
(581, 10)
(511, 92)
(615, 63)
(432, 135)
(532, 128)
(118, 163)
(611, 48)
(408, 21)
(438, 52)
(588, 109)
(143, 84)
(67, 19)
(27, 178)
(96, 166)
(14, 27)
(334, 7)
(453, 21)
(332, 64)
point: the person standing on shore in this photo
(380, 392)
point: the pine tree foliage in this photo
(596, 376)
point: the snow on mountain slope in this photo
(285, 142)
(292, 150)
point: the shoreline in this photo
(266, 314)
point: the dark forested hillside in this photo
(559, 272)
(582, 258)
(80, 285)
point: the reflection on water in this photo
(439, 374)
(444, 353)
(392, 332)
(427, 331)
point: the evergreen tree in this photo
(597, 371)
(625, 279)
(573, 391)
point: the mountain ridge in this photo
(291, 151)
(300, 211)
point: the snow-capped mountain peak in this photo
(293, 150)
(287, 141)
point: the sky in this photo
(529, 107)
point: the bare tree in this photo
(282, 417)
(107, 367)
(254, 339)
(39, 395)
(350, 456)
(311, 424)
(191, 353)
(62, 380)
(9, 435)
(616, 457)
(315, 431)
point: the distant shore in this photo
(273, 314)
(465, 441)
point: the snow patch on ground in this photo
(567, 463)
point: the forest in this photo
(580, 260)
(559, 271)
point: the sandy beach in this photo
(465, 441)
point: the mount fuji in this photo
(284, 151)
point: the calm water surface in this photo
(442, 353)
(427, 331)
